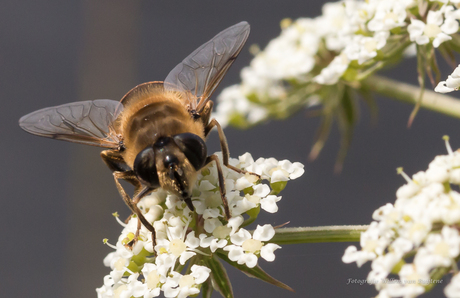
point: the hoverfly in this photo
(155, 136)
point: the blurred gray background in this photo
(58, 197)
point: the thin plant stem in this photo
(318, 234)
(404, 92)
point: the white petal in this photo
(434, 17)
(453, 82)
(269, 203)
(234, 252)
(200, 273)
(242, 206)
(450, 26)
(241, 236)
(261, 190)
(205, 185)
(440, 38)
(267, 251)
(279, 175)
(415, 28)
(211, 224)
(215, 244)
(242, 183)
(206, 241)
(442, 88)
(297, 171)
(235, 223)
(250, 260)
(192, 241)
(423, 39)
(264, 233)
(185, 256)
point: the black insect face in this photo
(145, 168)
(172, 163)
(193, 147)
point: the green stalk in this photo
(318, 234)
(404, 92)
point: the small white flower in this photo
(436, 29)
(177, 246)
(245, 247)
(452, 83)
(389, 14)
(332, 73)
(154, 278)
(181, 286)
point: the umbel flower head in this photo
(190, 245)
(327, 63)
(416, 240)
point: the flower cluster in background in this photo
(416, 240)
(189, 245)
(452, 82)
(329, 59)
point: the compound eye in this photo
(193, 147)
(145, 168)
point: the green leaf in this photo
(206, 289)
(219, 277)
(347, 116)
(255, 272)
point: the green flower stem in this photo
(434, 101)
(318, 234)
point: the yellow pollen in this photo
(370, 45)
(221, 232)
(153, 279)
(252, 245)
(253, 199)
(370, 245)
(177, 247)
(442, 249)
(432, 30)
(117, 291)
(119, 264)
(391, 16)
(186, 281)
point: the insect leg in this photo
(130, 203)
(224, 147)
(205, 115)
(115, 162)
(221, 183)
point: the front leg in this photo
(132, 204)
(224, 147)
(114, 160)
(223, 192)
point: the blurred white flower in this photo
(422, 223)
(436, 29)
(451, 84)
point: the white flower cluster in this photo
(451, 84)
(183, 236)
(438, 27)
(418, 235)
(350, 35)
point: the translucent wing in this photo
(85, 122)
(201, 72)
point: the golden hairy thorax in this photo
(151, 112)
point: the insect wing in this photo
(200, 73)
(85, 122)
